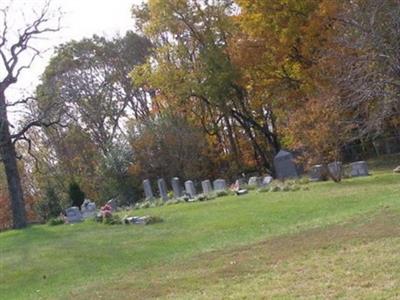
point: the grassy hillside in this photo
(335, 240)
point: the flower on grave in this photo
(106, 211)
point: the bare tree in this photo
(17, 54)
(369, 46)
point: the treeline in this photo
(208, 89)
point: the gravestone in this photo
(336, 168)
(207, 188)
(317, 173)
(162, 188)
(219, 185)
(359, 168)
(147, 190)
(73, 215)
(190, 189)
(285, 166)
(255, 181)
(88, 209)
(176, 187)
(266, 180)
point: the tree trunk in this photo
(9, 159)
(232, 142)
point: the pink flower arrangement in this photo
(106, 211)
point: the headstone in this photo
(255, 181)
(73, 215)
(266, 181)
(207, 187)
(147, 189)
(219, 185)
(285, 166)
(176, 187)
(190, 189)
(317, 173)
(162, 188)
(359, 168)
(336, 169)
(88, 209)
(113, 204)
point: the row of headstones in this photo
(189, 190)
(357, 169)
(286, 168)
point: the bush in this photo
(250, 187)
(201, 197)
(304, 180)
(50, 206)
(145, 204)
(112, 220)
(76, 195)
(211, 196)
(285, 188)
(264, 190)
(172, 202)
(56, 221)
(222, 193)
(274, 189)
(295, 188)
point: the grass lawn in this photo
(333, 241)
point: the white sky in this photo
(82, 18)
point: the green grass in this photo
(284, 245)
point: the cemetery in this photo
(195, 149)
(183, 236)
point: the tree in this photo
(17, 53)
(91, 78)
(170, 146)
(367, 60)
(50, 206)
(76, 195)
(191, 68)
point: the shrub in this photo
(56, 221)
(50, 206)
(304, 180)
(211, 196)
(182, 200)
(250, 187)
(274, 189)
(159, 202)
(76, 195)
(145, 204)
(222, 193)
(201, 197)
(263, 190)
(294, 188)
(172, 202)
(112, 220)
